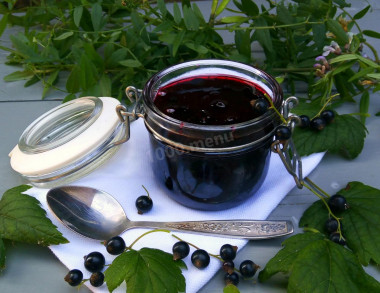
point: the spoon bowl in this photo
(97, 215)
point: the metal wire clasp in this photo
(286, 149)
(134, 95)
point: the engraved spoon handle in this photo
(233, 228)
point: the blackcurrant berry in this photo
(331, 225)
(115, 245)
(228, 266)
(200, 259)
(318, 123)
(335, 237)
(94, 262)
(305, 121)
(328, 115)
(248, 268)
(283, 132)
(337, 203)
(231, 278)
(180, 250)
(97, 279)
(144, 203)
(260, 106)
(74, 277)
(228, 252)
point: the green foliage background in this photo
(100, 47)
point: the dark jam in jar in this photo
(223, 169)
(210, 100)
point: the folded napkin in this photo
(123, 176)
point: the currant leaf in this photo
(22, 219)
(316, 264)
(344, 136)
(146, 270)
(2, 254)
(360, 221)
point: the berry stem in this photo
(311, 183)
(147, 192)
(275, 109)
(146, 233)
(326, 204)
(325, 105)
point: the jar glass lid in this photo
(70, 140)
(60, 125)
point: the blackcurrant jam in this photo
(210, 137)
(210, 99)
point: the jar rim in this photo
(276, 96)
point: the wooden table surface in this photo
(35, 269)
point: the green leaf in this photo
(263, 35)
(222, 6)
(2, 255)
(116, 57)
(22, 219)
(284, 15)
(250, 8)
(197, 48)
(161, 5)
(96, 16)
(191, 20)
(243, 42)
(359, 222)
(335, 27)
(234, 19)
(230, 288)
(368, 62)
(344, 136)
(283, 261)
(344, 57)
(34, 79)
(77, 15)
(64, 36)
(372, 34)
(362, 13)
(130, 63)
(374, 75)
(68, 98)
(105, 86)
(198, 13)
(50, 82)
(361, 73)
(144, 271)
(176, 13)
(318, 265)
(3, 23)
(73, 80)
(19, 75)
(177, 42)
(319, 35)
(364, 106)
(87, 72)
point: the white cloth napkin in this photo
(123, 176)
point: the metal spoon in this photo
(97, 215)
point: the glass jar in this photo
(210, 167)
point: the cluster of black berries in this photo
(94, 262)
(318, 123)
(337, 203)
(201, 259)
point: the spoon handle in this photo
(233, 228)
